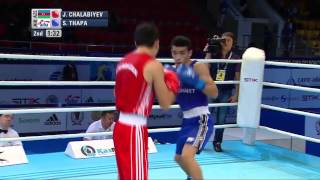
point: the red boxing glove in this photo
(172, 81)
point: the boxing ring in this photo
(240, 160)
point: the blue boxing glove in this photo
(188, 76)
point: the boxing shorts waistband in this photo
(197, 111)
(132, 119)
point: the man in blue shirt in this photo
(197, 125)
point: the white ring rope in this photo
(84, 109)
(76, 83)
(108, 59)
(291, 134)
(286, 110)
(296, 65)
(65, 136)
(299, 88)
(116, 59)
(57, 83)
(165, 60)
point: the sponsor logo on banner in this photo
(25, 100)
(306, 77)
(160, 116)
(318, 127)
(250, 79)
(299, 99)
(77, 118)
(72, 99)
(89, 151)
(97, 148)
(304, 80)
(52, 99)
(53, 121)
(28, 120)
(291, 81)
(282, 98)
(310, 97)
(276, 97)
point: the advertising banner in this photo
(301, 99)
(276, 97)
(41, 122)
(41, 72)
(39, 96)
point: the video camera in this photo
(214, 46)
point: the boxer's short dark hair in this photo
(181, 41)
(146, 34)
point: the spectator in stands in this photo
(267, 40)
(104, 124)
(223, 12)
(7, 132)
(224, 72)
(70, 72)
(244, 8)
(292, 11)
(288, 37)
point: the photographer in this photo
(221, 48)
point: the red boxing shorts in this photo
(130, 138)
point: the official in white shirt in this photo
(7, 132)
(104, 124)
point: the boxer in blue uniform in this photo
(197, 125)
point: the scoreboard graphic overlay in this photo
(49, 23)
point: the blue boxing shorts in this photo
(195, 131)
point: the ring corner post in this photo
(250, 93)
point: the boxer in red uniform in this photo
(138, 77)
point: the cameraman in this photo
(223, 72)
